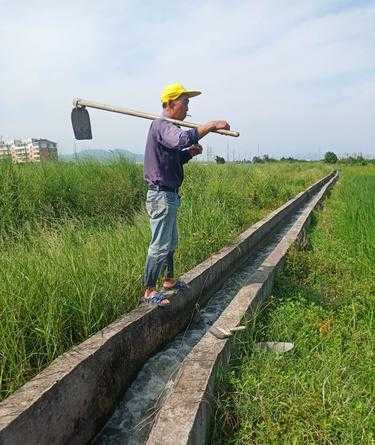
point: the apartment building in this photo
(4, 150)
(28, 150)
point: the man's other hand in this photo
(195, 150)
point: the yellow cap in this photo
(174, 91)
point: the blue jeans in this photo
(162, 209)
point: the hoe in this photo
(81, 119)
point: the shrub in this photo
(330, 157)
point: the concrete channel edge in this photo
(70, 400)
(184, 417)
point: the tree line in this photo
(329, 158)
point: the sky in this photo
(294, 77)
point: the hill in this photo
(103, 155)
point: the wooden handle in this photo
(99, 106)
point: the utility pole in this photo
(75, 150)
(208, 153)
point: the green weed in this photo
(323, 391)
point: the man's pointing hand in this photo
(204, 129)
(220, 125)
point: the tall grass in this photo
(324, 301)
(52, 191)
(73, 262)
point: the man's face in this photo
(181, 107)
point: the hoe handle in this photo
(99, 106)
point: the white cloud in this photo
(293, 77)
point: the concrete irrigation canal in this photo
(148, 377)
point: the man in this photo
(168, 147)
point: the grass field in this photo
(74, 239)
(323, 392)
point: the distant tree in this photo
(361, 160)
(220, 160)
(263, 159)
(266, 158)
(357, 159)
(330, 157)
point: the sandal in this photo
(178, 285)
(156, 299)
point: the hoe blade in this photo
(81, 123)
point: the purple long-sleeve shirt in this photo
(165, 154)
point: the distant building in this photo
(28, 150)
(47, 149)
(4, 150)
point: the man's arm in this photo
(204, 129)
(174, 138)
